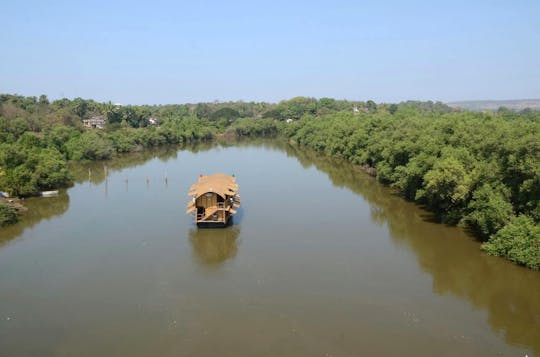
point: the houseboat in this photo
(214, 200)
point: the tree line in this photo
(38, 137)
(478, 170)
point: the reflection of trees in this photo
(95, 171)
(212, 247)
(510, 294)
(39, 208)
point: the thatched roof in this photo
(217, 183)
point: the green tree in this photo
(490, 210)
(446, 186)
(50, 170)
(113, 113)
(371, 106)
(228, 114)
(8, 214)
(91, 145)
(203, 111)
(59, 135)
(43, 100)
(519, 241)
(28, 170)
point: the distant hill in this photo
(493, 105)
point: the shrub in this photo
(519, 241)
(8, 214)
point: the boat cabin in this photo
(214, 200)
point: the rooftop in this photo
(218, 183)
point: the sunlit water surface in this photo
(321, 260)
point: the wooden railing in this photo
(213, 210)
(201, 218)
(210, 211)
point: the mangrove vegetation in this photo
(477, 170)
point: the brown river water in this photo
(321, 261)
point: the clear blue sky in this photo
(158, 52)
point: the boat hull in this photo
(214, 224)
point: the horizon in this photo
(51, 99)
(169, 53)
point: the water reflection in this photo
(96, 172)
(213, 247)
(509, 293)
(39, 208)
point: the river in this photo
(321, 261)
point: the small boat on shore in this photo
(214, 200)
(49, 193)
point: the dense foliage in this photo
(8, 214)
(518, 241)
(29, 165)
(479, 170)
(37, 137)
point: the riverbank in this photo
(130, 264)
(10, 208)
(455, 165)
(477, 170)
